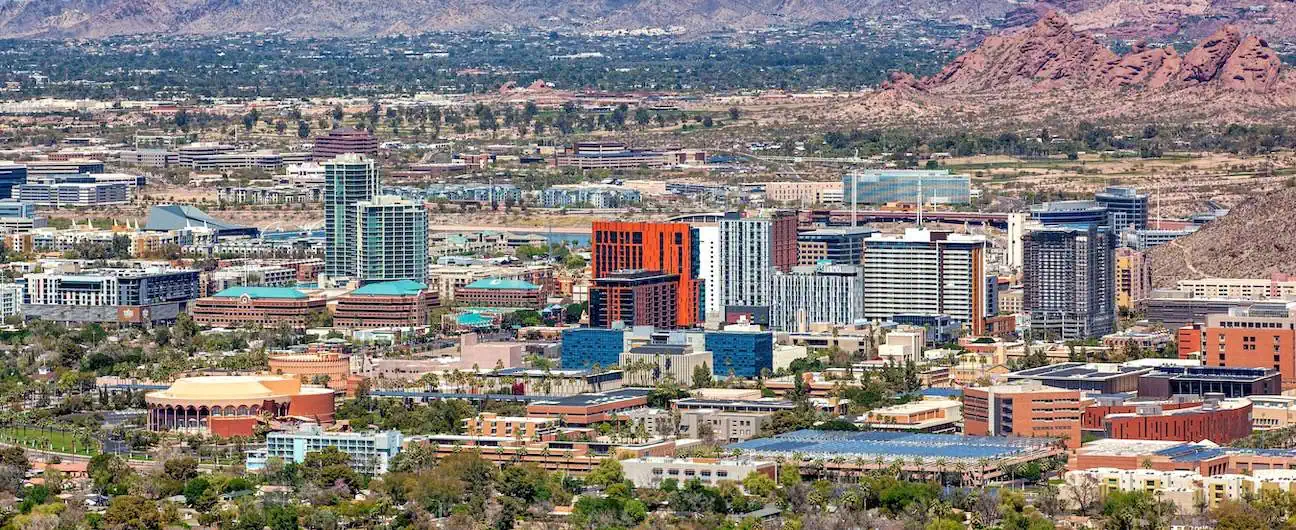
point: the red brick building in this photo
(1244, 340)
(401, 303)
(1028, 410)
(1218, 421)
(584, 409)
(265, 306)
(497, 292)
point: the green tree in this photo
(701, 376)
(607, 473)
(128, 512)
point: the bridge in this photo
(842, 217)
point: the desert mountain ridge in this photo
(1051, 55)
(1117, 19)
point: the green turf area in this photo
(47, 440)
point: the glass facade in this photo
(1128, 207)
(348, 179)
(902, 185)
(743, 352)
(583, 347)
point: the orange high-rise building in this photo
(671, 248)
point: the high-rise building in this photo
(348, 180)
(670, 248)
(635, 298)
(881, 186)
(1071, 213)
(842, 246)
(1128, 207)
(1133, 278)
(343, 141)
(751, 249)
(391, 240)
(926, 272)
(1016, 230)
(812, 294)
(11, 176)
(709, 270)
(1068, 281)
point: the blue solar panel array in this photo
(893, 444)
(1195, 453)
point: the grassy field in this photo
(47, 440)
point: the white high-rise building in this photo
(925, 272)
(811, 294)
(709, 271)
(750, 250)
(1016, 231)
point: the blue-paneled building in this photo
(744, 352)
(881, 186)
(582, 348)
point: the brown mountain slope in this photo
(1256, 239)
(1051, 54)
(1113, 18)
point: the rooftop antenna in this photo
(854, 196)
(920, 201)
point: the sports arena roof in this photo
(170, 217)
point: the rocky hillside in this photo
(1256, 239)
(1052, 54)
(1113, 18)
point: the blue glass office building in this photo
(1071, 214)
(11, 176)
(901, 185)
(744, 352)
(1128, 207)
(583, 347)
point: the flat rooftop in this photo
(596, 398)
(815, 444)
(1175, 451)
(1078, 371)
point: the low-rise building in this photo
(650, 472)
(400, 303)
(370, 452)
(929, 415)
(496, 292)
(1272, 412)
(264, 306)
(584, 409)
(522, 427)
(1218, 420)
(646, 365)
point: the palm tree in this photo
(940, 469)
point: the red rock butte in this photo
(1052, 55)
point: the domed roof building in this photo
(232, 405)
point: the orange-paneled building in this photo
(671, 248)
(1245, 340)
